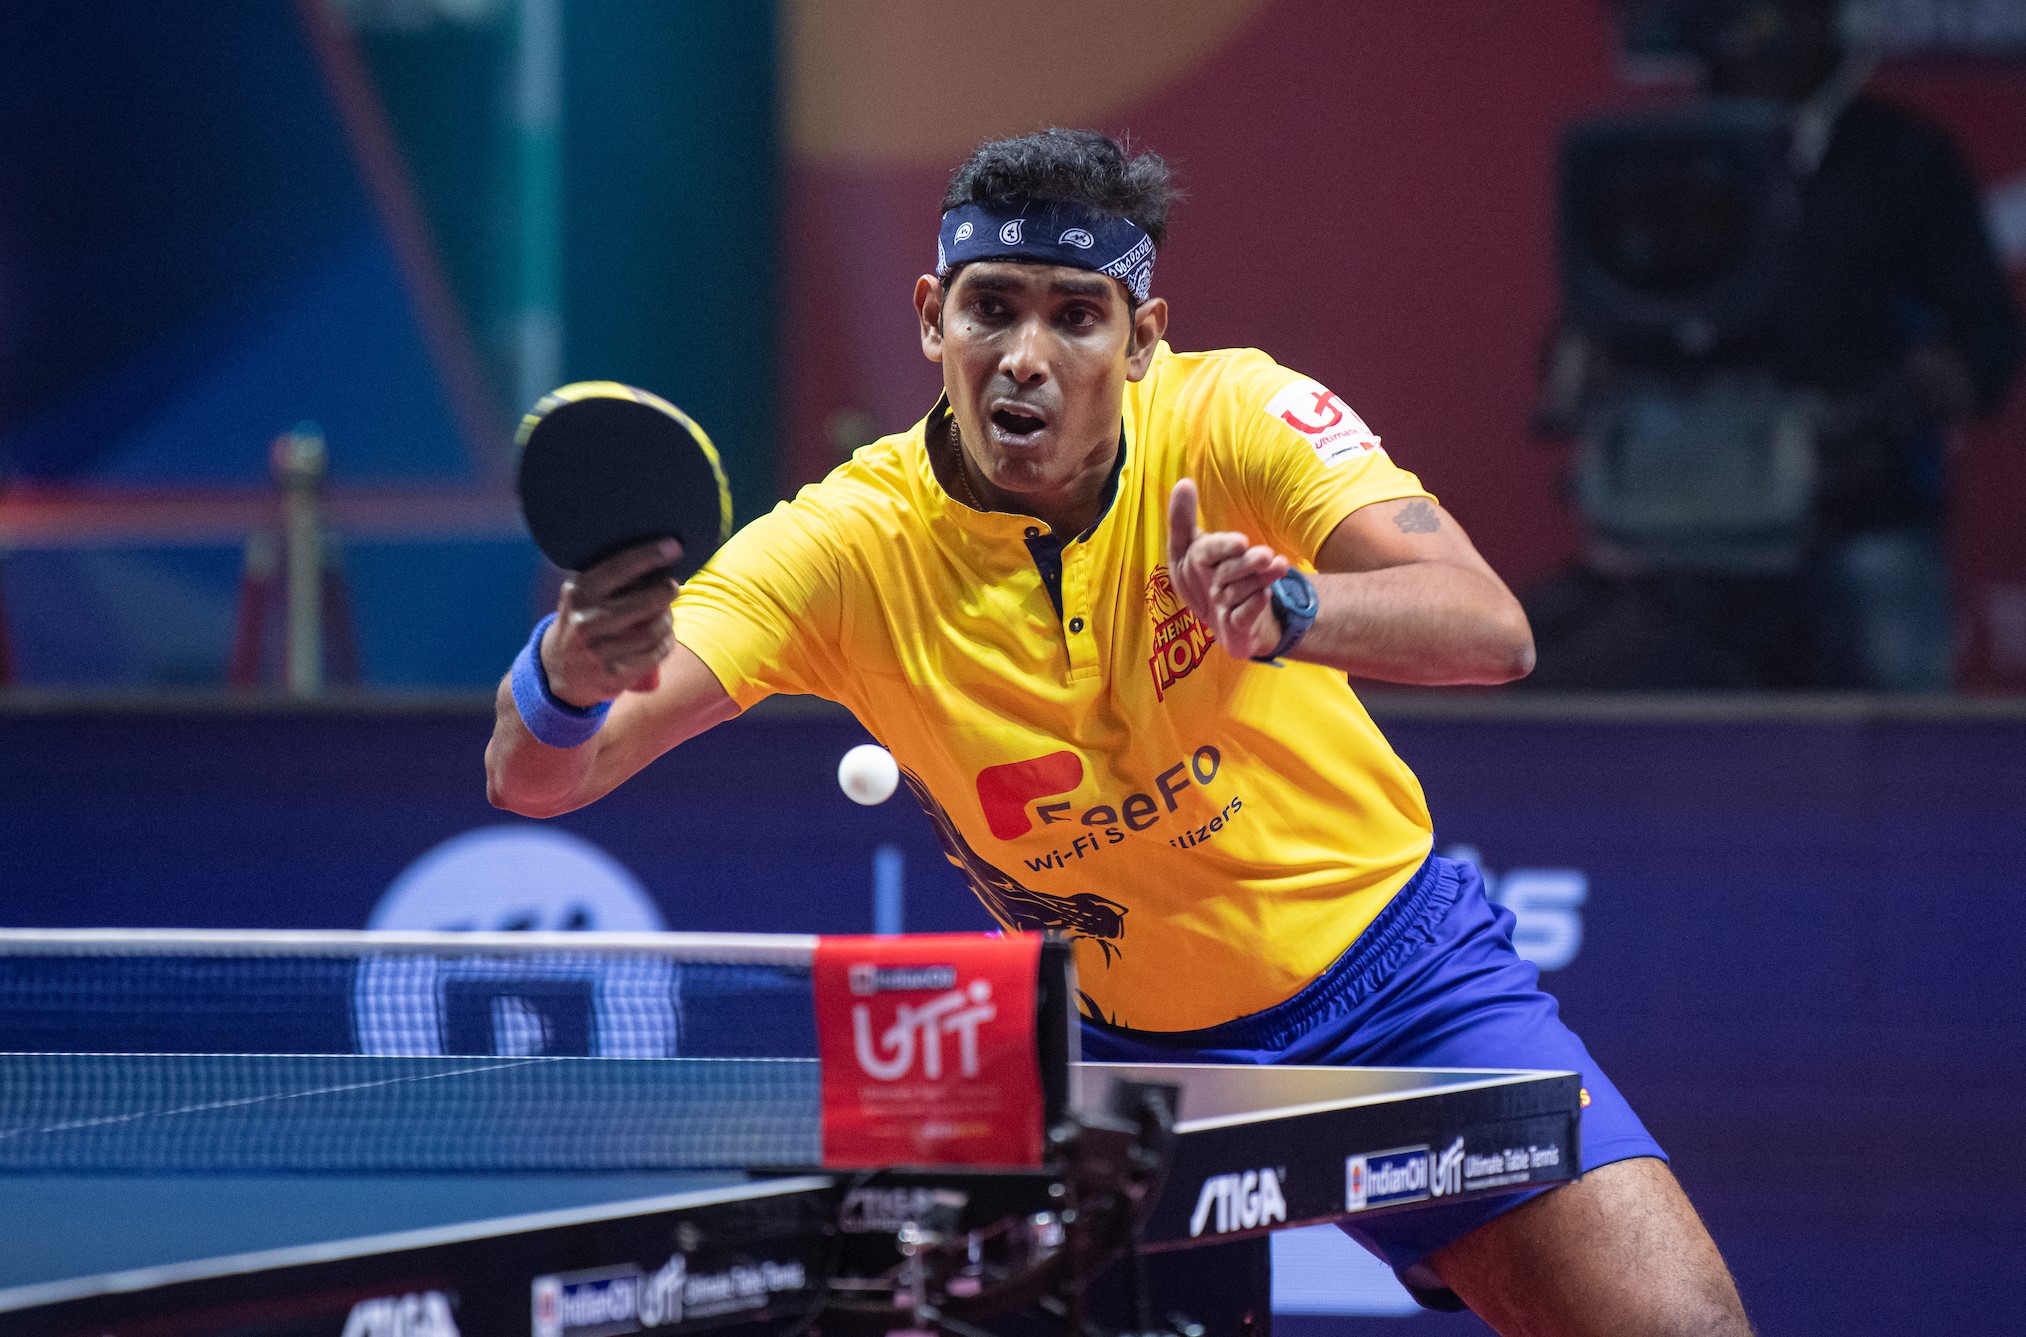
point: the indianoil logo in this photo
(1181, 641)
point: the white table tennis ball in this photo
(868, 774)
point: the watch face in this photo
(1294, 594)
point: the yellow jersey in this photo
(1211, 832)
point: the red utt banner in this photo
(929, 1052)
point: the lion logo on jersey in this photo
(1180, 639)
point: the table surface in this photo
(177, 1225)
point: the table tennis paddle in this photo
(604, 466)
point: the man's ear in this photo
(929, 315)
(1150, 323)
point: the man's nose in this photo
(1026, 355)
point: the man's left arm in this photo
(1403, 596)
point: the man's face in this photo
(1035, 361)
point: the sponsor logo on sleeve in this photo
(1387, 1178)
(1243, 1201)
(1336, 433)
(425, 1314)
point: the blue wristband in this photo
(551, 721)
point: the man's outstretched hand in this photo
(1224, 578)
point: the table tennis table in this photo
(574, 1135)
(1254, 1149)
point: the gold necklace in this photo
(970, 495)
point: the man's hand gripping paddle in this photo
(605, 468)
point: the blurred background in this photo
(1701, 315)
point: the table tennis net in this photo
(367, 1052)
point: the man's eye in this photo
(1079, 318)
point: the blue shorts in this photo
(1433, 983)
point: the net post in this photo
(1058, 1034)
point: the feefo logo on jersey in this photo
(1312, 409)
(1004, 791)
(423, 1314)
(1244, 1201)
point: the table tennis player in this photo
(1100, 603)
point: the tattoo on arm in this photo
(1417, 517)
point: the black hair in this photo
(1080, 166)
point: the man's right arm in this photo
(612, 640)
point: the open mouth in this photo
(1014, 422)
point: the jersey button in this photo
(1032, 532)
(1076, 624)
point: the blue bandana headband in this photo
(1049, 232)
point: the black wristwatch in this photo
(1295, 604)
